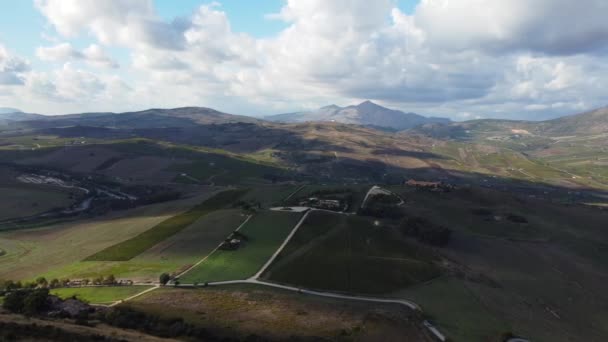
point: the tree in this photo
(35, 302)
(42, 282)
(13, 301)
(164, 278)
(10, 285)
(29, 302)
(54, 283)
(110, 280)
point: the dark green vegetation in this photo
(129, 249)
(265, 232)
(33, 331)
(504, 250)
(351, 254)
(26, 301)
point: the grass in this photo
(269, 195)
(265, 232)
(131, 248)
(56, 251)
(99, 295)
(170, 256)
(238, 311)
(349, 254)
(456, 311)
(26, 200)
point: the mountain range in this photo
(364, 114)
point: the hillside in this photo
(151, 118)
(593, 122)
(365, 114)
(588, 123)
(12, 115)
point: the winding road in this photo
(255, 280)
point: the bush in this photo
(164, 278)
(29, 302)
(425, 231)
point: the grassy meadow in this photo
(99, 295)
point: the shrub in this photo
(425, 231)
(29, 302)
(164, 278)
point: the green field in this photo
(99, 295)
(456, 311)
(265, 232)
(57, 250)
(131, 248)
(349, 254)
(172, 256)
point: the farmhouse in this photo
(315, 202)
(230, 244)
(432, 186)
(329, 204)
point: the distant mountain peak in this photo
(368, 104)
(331, 106)
(366, 113)
(7, 110)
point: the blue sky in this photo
(21, 24)
(463, 59)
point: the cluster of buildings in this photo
(319, 203)
(431, 186)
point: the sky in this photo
(463, 59)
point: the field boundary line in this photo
(134, 296)
(293, 193)
(280, 249)
(213, 251)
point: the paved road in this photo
(255, 280)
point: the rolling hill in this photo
(365, 114)
(8, 115)
(588, 123)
